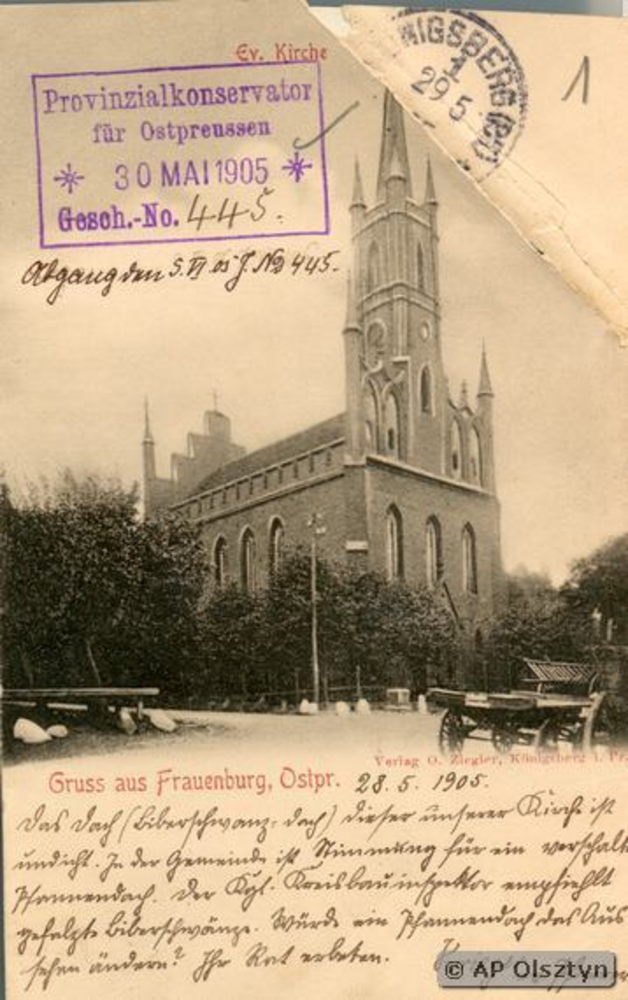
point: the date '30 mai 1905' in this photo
(226, 210)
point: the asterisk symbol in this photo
(296, 167)
(69, 178)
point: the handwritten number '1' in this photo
(582, 74)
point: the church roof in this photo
(316, 436)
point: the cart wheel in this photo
(504, 738)
(452, 732)
(552, 732)
(603, 723)
(547, 735)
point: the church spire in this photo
(485, 388)
(484, 412)
(148, 458)
(358, 204)
(393, 157)
(430, 190)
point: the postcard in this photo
(314, 533)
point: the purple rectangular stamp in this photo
(180, 154)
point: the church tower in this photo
(393, 334)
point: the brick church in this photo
(404, 479)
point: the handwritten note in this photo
(248, 879)
(225, 269)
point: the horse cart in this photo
(559, 704)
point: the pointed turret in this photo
(430, 190)
(430, 201)
(484, 388)
(148, 459)
(357, 201)
(484, 414)
(358, 204)
(393, 157)
(148, 436)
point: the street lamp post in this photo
(315, 522)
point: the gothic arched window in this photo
(426, 390)
(420, 268)
(220, 561)
(456, 450)
(373, 271)
(375, 342)
(394, 544)
(469, 561)
(433, 552)
(475, 456)
(370, 415)
(277, 536)
(391, 426)
(248, 576)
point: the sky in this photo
(73, 377)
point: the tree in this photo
(542, 622)
(536, 626)
(598, 583)
(160, 621)
(371, 634)
(93, 592)
(288, 625)
(63, 585)
(397, 636)
(232, 636)
(522, 583)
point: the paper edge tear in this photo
(584, 294)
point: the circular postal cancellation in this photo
(467, 84)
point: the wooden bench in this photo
(79, 699)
